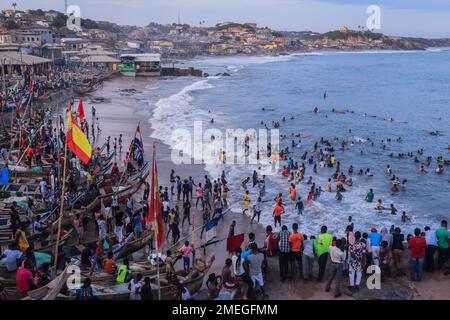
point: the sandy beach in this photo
(123, 113)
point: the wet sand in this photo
(124, 112)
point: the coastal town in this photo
(44, 34)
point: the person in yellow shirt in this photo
(21, 238)
(332, 159)
(379, 205)
(246, 202)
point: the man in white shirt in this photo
(430, 238)
(101, 227)
(12, 256)
(337, 256)
(43, 185)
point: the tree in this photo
(111, 41)
(10, 24)
(59, 21)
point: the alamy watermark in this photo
(231, 146)
(374, 20)
(73, 22)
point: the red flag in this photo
(81, 110)
(155, 212)
(234, 242)
(30, 86)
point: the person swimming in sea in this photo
(393, 209)
(405, 217)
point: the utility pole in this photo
(3, 76)
(65, 6)
(179, 20)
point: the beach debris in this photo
(100, 100)
(129, 91)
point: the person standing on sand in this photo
(337, 256)
(284, 249)
(296, 241)
(186, 251)
(257, 208)
(185, 189)
(307, 258)
(254, 264)
(179, 188)
(322, 247)
(246, 201)
(200, 192)
(186, 212)
(172, 179)
(430, 237)
(442, 235)
(417, 247)
(357, 262)
(397, 250)
(375, 242)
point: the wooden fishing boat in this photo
(106, 193)
(133, 246)
(85, 89)
(109, 291)
(143, 267)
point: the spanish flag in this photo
(77, 141)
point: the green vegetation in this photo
(89, 24)
(59, 21)
(277, 34)
(10, 24)
(245, 26)
(38, 12)
(338, 35)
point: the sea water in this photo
(411, 87)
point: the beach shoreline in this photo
(111, 116)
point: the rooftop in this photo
(14, 58)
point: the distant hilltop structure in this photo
(343, 29)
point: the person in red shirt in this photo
(417, 246)
(29, 155)
(24, 278)
(115, 169)
(271, 242)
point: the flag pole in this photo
(61, 205)
(158, 251)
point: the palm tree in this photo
(14, 6)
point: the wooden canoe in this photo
(110, 291)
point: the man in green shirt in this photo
(123, 272)
(370, 195)
(321, 247)
(442, 235)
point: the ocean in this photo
(410, 87)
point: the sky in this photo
(419, 18)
